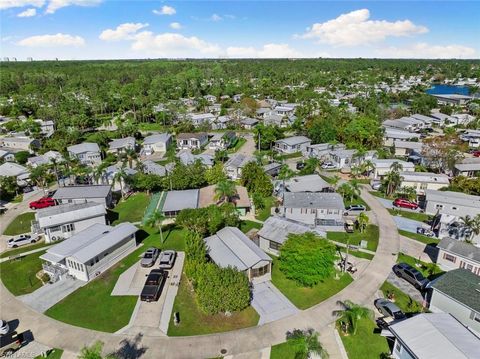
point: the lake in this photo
(447, 89)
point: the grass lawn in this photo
(18, 198)
(357, 254)
(93, 307)
(381, 195)
(265, 213)
(365, 343)
(371, 235)
(304, 297)
(245, 226)
(18, 275)
(416, 216)
(22, 249)
(131, 209)
(291, 155)
(240, 142)
(194, 322)
(283, 351)
(420, 265)
(327, 178)
(54, 354)
(420, 237)
(151, 126)
(20, 225)
(402, 300)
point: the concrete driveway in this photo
(407, 224)
(270, 303)
(405, 287)
(132, 280)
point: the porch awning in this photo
(52, 258)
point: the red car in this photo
(476, 154)
(404, 203)
(42, 203)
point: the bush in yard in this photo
(208, 220)
(196, 255)
(307, 259)
(256, 180)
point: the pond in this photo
(447, 90)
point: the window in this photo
(439, 206)
(274, 245)
(398, 346)
(476, 317)
(54, 229)
(449, 257)
(258, 272)
(68, 228)
(454, 208)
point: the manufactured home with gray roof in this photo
(292, 144)
(87, 153)
(80, 194)
(175, 201)
(454, 254)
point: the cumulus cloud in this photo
(355, 28)
(165, 10)
(175, 25)
(56, 40)
(122, 32)
(266, 51)
(7, 4)
(424, 50)
(216, 17)
(28, 13)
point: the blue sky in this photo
(96, 29)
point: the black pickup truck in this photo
(153, 285)
(10, 343)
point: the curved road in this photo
(56, 334)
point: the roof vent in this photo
(105, 232)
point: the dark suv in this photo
(411, 275)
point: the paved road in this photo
(248, 147)
(417, 249)
(56, 334)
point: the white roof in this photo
(178, 200)
(437, 335)
(78, 192)
(295, 140)
(230, 247)
(309, 183)
(68, 213)
(459, 198)
(161, 137)
(386, 163)
(9, 169)
(277, 229)
(427, 177)
(122, 142)
(84, 147)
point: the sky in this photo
(122, 29)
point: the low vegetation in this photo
(429, 270)
(131, 209)
(420, 237)
(20, 225)
(416, 216)
(371, 235)
(402, 300)
(19, 275)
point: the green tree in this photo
(94, 352)
(215, 174)
(156, 220)
(225, 191)
(362, 221)
(306, 343)
(350, 314)
(255, 179)
(8, 187)
(21, 157)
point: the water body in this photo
(447, 90)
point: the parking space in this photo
(407, 224)
(132, 280)
(405, 287)
(270, 303)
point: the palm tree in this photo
(350, 315)
(355, 185)
(368, 167)
(409, 193)
(94, 352)
(473, 224)
(334, 180)
(120, 177)
(156, 219)
(391, 181)
(362, 220)
(345, 190)
(355, 171)
(225, 190)
(130, 155)
(396, 166)
(306, 343)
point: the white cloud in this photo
(28, 13)
(122, 32)
(231, 17)
(165, 10)
(267, 51)
(355, 28)
(216, 17)
(176, 25)
(54, 5)
(427, 51)
(173, 45)
(7, 4)
(52, 41)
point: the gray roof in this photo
(8, 169)
(437, 335)
(295, 140)
(187, 158)
(423, 118)
(68, 213)
(249, 121)
(309, 183)
(386, 163)
(196, 135)
(427, 177)
(313, 200)
(468, 164)
(462, 199)
(277, 229)
(411, 145)
(122, 142)
(230, 247)
(238, 160)
(90, 242)
(161, 137)
(178, 200)
(84, 147)
(75, 192)
(460, 248)
(462, 285)
(154, 168)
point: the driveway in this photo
(50, 294)
(270, 303)
(132, 280)
(405, 287)
(248, 147)
(416, 249)
(407, 224)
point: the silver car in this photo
(167, 259)
(388, 309)
(21, 240)
(150, 257)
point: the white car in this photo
(4, 328)
(376, 186)
(21, 240)
(329, 166)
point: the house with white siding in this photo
(156, 143)
(192, 141)
(383, 166)
(80, 194)
(292, 144)
(422, 181)
(87, 153)
(120, 145)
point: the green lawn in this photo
(422, 266)
(245, 226)
(131, 209)
(240, 142)
(371, 235)
(18, 275)
(290, 155)
(402, 300)
(381, 195)
(283, 351)
(416, 216)
(151, 126)
(365, 343)
(22, 249)
(266, 212)
(303, 297)
(420, 237)
(194, 322)
(53, 354)
(20, 225)
(93, 307)
(357, 254)
(18, 198)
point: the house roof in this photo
(84, 147)
(154, 168)
(187, 157)
(207, 195)
(249, 121)
(74, 192)
(313, 200)
(309, 183)
(68, 213)
(463, 199)
(460, 248)
(230, 247)
(9, 169)
(427, 177)
(122, 142)
(437, 335)
(295, 140)
(277, 229)
(238, 160)
(468, 164)
(161, 137)
(187, 136)
(461, 285)
(178, 200)
(391, 132)
(386, 163)
(411, 145)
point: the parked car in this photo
(167, 259)
(411, 275)
(376, 186)
(328, 166)
(300, 165)
(4, 327)
(153, 285)
(425, 231)
(42, 203)
(349, 226)
(21, 240)
(27, 189)
(10, 343)
(388, 309)
(476, 153)
(355, 208)
(150, 257)
(405, 203)
(3, 209)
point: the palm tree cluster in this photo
(350, 314)
(392, 179)
(306, 343)
(473, 223)
(349, 190)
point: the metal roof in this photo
(122, 142)
(295, 140)
(84, 147)
(12, 169)
(277, 229)
(386, 163)
(309, 183)
(154, 168)
(238, 160)
(437, 335)
(68, 213)
(424, 177)
(313, 200)
(230, 247)
(161, 137)
(463, 199)
(461, 248)
(178, 200)
(76, 192)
